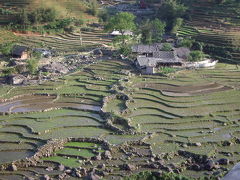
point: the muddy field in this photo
(187, 124)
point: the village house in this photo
(118, 33)
(149, 57)
(20, 52)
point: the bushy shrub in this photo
(167, 70)
(8, 71)
(93, 7)
(125, 50)
(170, 11)
(167, 47)
(186, 43)
(5, 11)
(196, 56)
(59, 24)
(32, 65)
(176, 25)
(6, 48)
(103, 16)
(152, 31)
(42, 15)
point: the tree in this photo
(158, 29)
(35, 17)
(146, 32)
(48, 15)
(32, 65)
(176, 25)
(152, 31)
(103, 15)
(186, 43)
(22, 18)
(171, 10)
(6, 48)
(122, 22)
(42, 15)
(196, 56)
(93, 8)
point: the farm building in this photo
(146, 50)
(118, 33)
(164, 58)
(150, 57)
(20, 52)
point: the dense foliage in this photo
(122, 22)
(170, 11)
(196, 56)
(152, 31)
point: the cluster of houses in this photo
(150, 57)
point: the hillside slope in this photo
(64, 8)
(218, 26)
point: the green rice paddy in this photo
(203, 107)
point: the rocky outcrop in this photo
(16, 79)
(55, 67)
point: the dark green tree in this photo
(171, 10)
(22, 19)
(176, 25)
(152, 31)
(196, 56)
(122, 22)
(32, 65)
(93, 7)
(6, 48)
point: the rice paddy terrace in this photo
(189, 123)
(68, 42)
(217, 26)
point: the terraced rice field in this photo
(195, 111)
(218, 27)
(68, 42)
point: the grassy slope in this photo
(64, 8)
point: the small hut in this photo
(20, 52)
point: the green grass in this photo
(85, 153)
(69, 162)
(82, 145)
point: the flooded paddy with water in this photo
(193, 115)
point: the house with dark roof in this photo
(146, 50)
(150, 57)
(20, 52)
